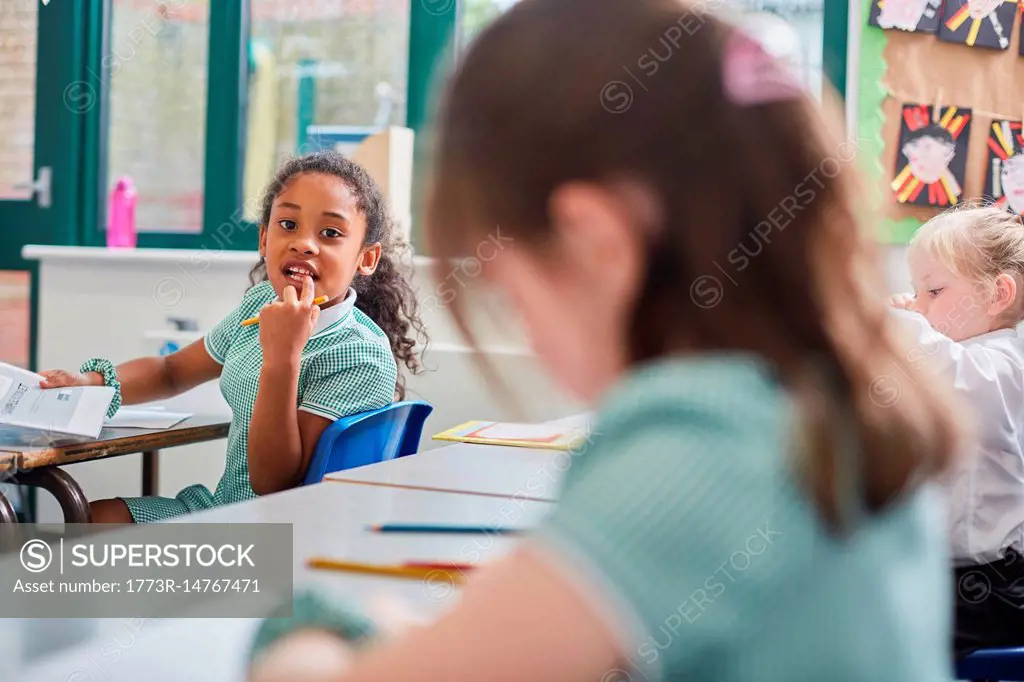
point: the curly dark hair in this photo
(386, 296)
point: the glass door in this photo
(42, 100)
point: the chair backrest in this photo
(368, 437)
(992, 664)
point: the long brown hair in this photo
(386, 296)
(758, 199)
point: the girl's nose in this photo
(304, 245)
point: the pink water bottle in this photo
(121, 215)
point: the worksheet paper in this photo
(509, 431)
(145, 418)
(77, 411)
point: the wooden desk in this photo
(33, 459)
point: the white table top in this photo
(464, 468)
(329, 519)
(522, 473)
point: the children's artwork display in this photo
(940, 103)
(932, 155)
(979, 23)
(1004, 183)
(920, 16)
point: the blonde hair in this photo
(977, 243)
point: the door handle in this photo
(42, 188)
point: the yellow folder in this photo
(540, 436)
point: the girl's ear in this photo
(1004, 294)
(369, 259)
(263, 241)
(600, 230)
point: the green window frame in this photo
(433, 28)
(836, 38)
(223, 225)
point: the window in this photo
(156, 72)
(793, 29)
(476, 14)
(328, 64)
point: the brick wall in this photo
(17, 96)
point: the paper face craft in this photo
(932, 156)
(1004, 183)
(906, 15)
(979, 23)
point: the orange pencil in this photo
(441, 566)
(408, 572)
(256, 320)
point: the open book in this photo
(77, 411)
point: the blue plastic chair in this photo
(368, 438)
(995, 665)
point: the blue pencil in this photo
(414, 528)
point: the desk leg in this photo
(67, 491)
(150, 472)
(7, 514)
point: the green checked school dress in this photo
(347, 367)
(685, 526)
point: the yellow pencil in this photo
(404, 571)
(256, 320)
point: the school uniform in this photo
(347, 367)
(986, 491)
(684, 525)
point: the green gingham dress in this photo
(347, 367)
(683, 523)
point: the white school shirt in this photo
(986, 495)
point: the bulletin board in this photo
(931, 65)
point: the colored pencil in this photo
(439, 565)
(256, 320)
(415, 528)
(393, 571)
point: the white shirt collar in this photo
(336, 313)
(991, 336)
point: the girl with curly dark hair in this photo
(385, 296)
(318, 336)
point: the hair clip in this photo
(752, 76)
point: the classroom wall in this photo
(896, 271)
(94, 302)
(116, 305)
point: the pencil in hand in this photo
(256, 320)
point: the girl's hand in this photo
(311, 655)
(902, 301)
(286, 325)
(305, 656)
(59, 378)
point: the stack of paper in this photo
(145, 418)
(77, 411)
(544, 436)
